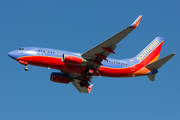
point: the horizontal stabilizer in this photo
(157, 64)
(151, 77)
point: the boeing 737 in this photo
(80, 68)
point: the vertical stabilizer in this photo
(150, 53)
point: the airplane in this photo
(80, 68)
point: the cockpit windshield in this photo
(21, 49)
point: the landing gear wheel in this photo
(26, 68)
(83, 83)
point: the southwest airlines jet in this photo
(80, 68)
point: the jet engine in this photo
(59, 77)
(68, 59)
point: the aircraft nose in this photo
(12, 54)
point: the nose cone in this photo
(12, 54)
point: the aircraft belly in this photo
(138, 70)
(114, 72)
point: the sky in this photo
(78, 26)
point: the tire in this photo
(26, 68)
(83, 83)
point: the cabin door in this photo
(132, 65)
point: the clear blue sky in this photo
(78, 26)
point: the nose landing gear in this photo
(26, 68)
(24, 63)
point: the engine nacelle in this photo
(59, 77)
(68, 59)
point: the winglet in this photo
(89, 88)
(136, 22)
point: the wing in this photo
(76, 79)
(103, 50)
(95, 55)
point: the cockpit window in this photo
(21, 49)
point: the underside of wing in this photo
(85, 89)
(77, 79)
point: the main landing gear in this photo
(83, 83)
(89, 71)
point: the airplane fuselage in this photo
(52, 58)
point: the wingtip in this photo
(172, 54)
(89, 88)
(136, 22)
